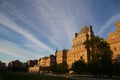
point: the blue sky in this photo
(30, 29)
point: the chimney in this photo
(76, 34)
(118, 26)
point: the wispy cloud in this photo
(108, 23)
(19, 15)
(12, 49)
(61, 17)
(58, 18)
(42, 25)
(35, 49)
(15, 27)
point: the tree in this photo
(99, 54)
(53, 67)
(62, 68)
(93, 67)
(116, 65)
(15, 65)
(79, 66)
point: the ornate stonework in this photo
(43, 64)
(78, 48)
(46, 61)
(61, 56)
(114, 40)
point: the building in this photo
(46, 61)
(114, 40)
(43, 64)
(35, 69)
(2, 66)
(31, 63)
(15, 65)
(61, 56)
(78, 48)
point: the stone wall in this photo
(34, 69)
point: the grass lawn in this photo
(28, 76)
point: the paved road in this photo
(88, 77)
(85, 78)
(1, 78)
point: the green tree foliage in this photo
(79, 66)
(99, 55)
(61, 68)
(116, 68)
(53, 67)
(93, 67)
(116, 65)
(15, 65)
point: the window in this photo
(113, 38)
(115, 49)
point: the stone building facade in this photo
(34, 69)
(78, 48)
(31, 63)
(61, 56)
(43, 64)
(46, 61)
(114, 40)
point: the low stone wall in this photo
(34, 69)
